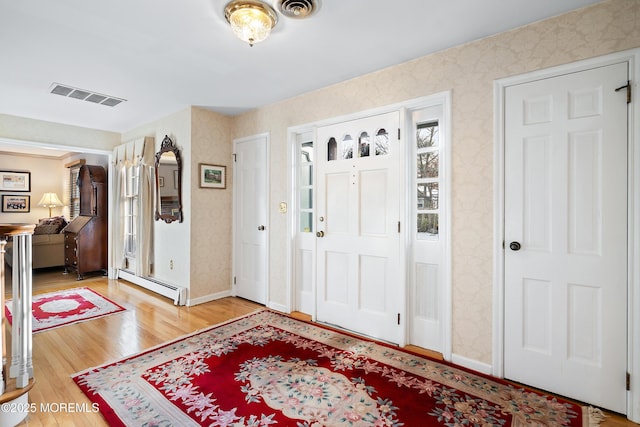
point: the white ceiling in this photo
(164, 55)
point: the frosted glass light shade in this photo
(250, 20)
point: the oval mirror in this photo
(168, 182)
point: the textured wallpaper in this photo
(211, 247)
(469, 71)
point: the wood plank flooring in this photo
(150, 320)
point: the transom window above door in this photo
(361, 147)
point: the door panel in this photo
(358, 248)
(250, 192)
(566, 205)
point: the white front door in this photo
(359, 285)
(250, 210)
(566, 235)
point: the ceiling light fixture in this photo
(250, 20)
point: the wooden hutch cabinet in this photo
(85, 238)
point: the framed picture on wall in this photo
(15, 181)
(213, 176)
(16, 203)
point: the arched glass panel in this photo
(347, 147)
(363, 145)
(332, 149)
(382, 142)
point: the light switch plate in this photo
(283, 207)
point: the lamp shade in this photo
(250, 20)
(50, 200)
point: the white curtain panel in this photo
(131, 159)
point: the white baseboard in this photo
(474, 365)
(278, 307)
(211, 297)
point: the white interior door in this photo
(250, 210)
(358, 245)
(566, 235)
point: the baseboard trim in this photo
(475, 365)
(278, 307)
(207, 298)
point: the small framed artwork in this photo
(161, 181)
(213, 176)
(15, 181)
(12, 203)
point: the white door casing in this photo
(565, 204)
(251, 234)
(357, 218)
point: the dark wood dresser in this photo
(85, 238)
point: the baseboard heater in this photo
(176, 293)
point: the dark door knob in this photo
(514, 246)
(261, 228)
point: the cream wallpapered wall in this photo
(211, 209)
(469, 71)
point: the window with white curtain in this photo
(130, 209)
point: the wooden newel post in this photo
(21, 329)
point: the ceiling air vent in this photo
(297, 9)
(85, 95)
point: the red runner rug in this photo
(60, 308)
(268, 369)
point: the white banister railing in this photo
(21, 367)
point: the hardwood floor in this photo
(149, 321)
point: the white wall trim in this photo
(208, 298)
(472, 364)
(278, 307)
(632, 57)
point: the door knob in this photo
(261, 228)
(514, 246)
(320, 233)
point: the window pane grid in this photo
(427, 173)
(305, 187)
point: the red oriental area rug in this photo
(60, 308)
(268, 369)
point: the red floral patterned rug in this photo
(268, 369)
(60, 308)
